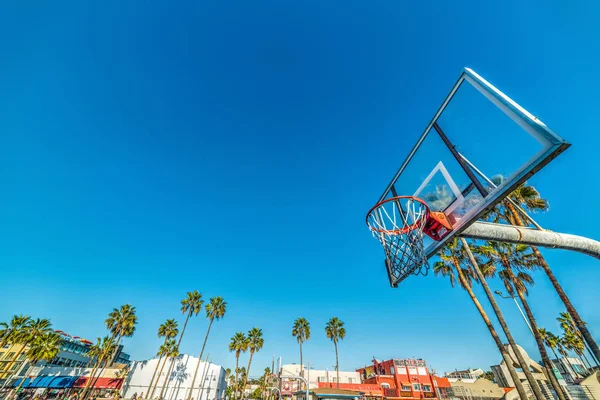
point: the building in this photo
(469, 387)
(591, 386)
(209, 384)
(465, 374)
(73, 353)
(316, 377)
(572, 369)
(405, 379)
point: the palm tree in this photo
(163, 351)
(121, 323)
(255, 343)
(455, 259)
(26, 335)
(574, 342)
(529, 198)
(44, 348)
(10, 329)
(172, 353)
(520, 258)
(335, 331)
(550, 340)
(101, 352)
(301, 331)
(167, 330)
(215, 309)
(238, 344)
(190, 306)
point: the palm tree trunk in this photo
(237, 360)
(301, 365)
(89, 381)
(183, 330)
(200, 358)
(166, 385)
(538, 338)
(203, 378)
(114, 354)
(153, 376)
(108, 362)
(587, 336)
(158, 378)
(337, 365)
(247, 372)
(488, 323)
(586, 361)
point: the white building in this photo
(209, 385)
(314, 377)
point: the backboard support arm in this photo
(533, 237)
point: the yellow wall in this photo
(6, 356)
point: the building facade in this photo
(316, 378)
(405, 379)
(209, 384)
(572, 369)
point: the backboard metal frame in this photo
(553, 145)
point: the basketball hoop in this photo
(399, 224)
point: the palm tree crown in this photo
(168, 329)
(215, 308)
(301, 330)
(121, 321)
(192, 304)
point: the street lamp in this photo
(510, 296)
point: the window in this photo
(334, 380)
(21, 357)
(426, 388)
(385, 386)
(321, 379)
(9, 356)
(405, 387)
(392, 371)
(416, 387)
(349, 380)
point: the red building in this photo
(405, 379)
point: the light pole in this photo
(510, 296)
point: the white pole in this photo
(522, 314)
(532, 237)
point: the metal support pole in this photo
(532, 237)
(299, 378)
(522, 314)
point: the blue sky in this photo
(152, 148)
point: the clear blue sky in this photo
(152, 148)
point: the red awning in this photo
(100, 383)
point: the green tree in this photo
(121, 323)
(572, 336)
(301, 331)
(172, 353)
(163, 352)
(519, 258)
(190, 306)
(255, 343)
(454, 263)
(215, 309)
(335, 331)
(489, 375)
(550, 340)
(101, 353)
(10, 330)
(167, 330)
(238, 344)
(527, 197)
(45, 347)
(26, 335)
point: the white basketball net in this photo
(398, 224)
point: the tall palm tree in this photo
(163, 351)
(335, 331)
(520, 258)
(167, 330)
(574, 342)
(454, 262)
(255, 343)
(238, 344)
(8, 330)
(529, 198)
(44, 348)
(171, 351)
(301, 331)
(101, 351)
(190, 306)
(215, 309)
(26, 335)
(550, 340)
(121, 323)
